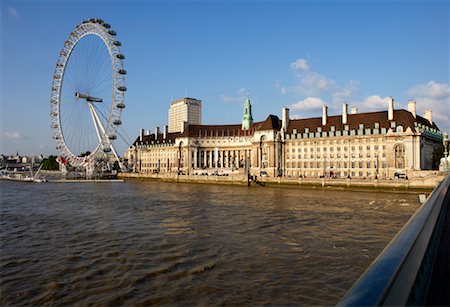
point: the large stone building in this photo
(356, 145)
(183, 112)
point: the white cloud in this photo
(13, 135)
(239, 98)
(312, 83)
(430, 90)
(300, 64)
(13, 12)
(433, 96)
(346, 92)
(375, 102)
(307, 104)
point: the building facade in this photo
(356, 145)
(183, 112)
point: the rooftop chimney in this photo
(429, 116)
(148, 132)
(165, 132)
(354, 110)
(141, 135)
(156, 133)
(344, 113)
(391, 109)
(412, 107)
(285, 119)
(324, 115)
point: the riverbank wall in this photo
(420, 184)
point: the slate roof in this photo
(401, 117)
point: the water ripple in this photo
(164, 244)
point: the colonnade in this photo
(206, 158)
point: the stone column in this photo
(196, 158)
(226, 158)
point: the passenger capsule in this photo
(122, 88)
(107, 25)
(112, 137)
(111, 32)
(117, 122)
(99, 21)
(122, 71)
(117, 43)
(120, 56)
(120, 105)
(92, 20)
(107, 149)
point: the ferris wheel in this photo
(87, 95)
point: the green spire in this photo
(247, 119)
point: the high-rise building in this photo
(183, 110)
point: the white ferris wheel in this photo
(87, 95)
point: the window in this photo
(368, 164)
(360, 164)
(399, 156)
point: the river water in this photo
(143, 243)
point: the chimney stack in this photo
(165, 133)
(148, 132)
(324, 115)
(344, 113)
(412, 107)
(354, 110)
(391, 109)
(141, 135)
(156, 133)
(429, 116)
(285, 119)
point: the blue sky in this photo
(297, 54)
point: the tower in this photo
(247, 118)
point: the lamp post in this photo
(445, 142)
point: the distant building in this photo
(184, 111)
(356, 145)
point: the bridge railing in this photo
(401, 275)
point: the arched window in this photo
(399, 156)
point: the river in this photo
(143, 243)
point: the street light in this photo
(445, 141)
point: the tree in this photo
(116, 166)
(438, 153)
(50, 164)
